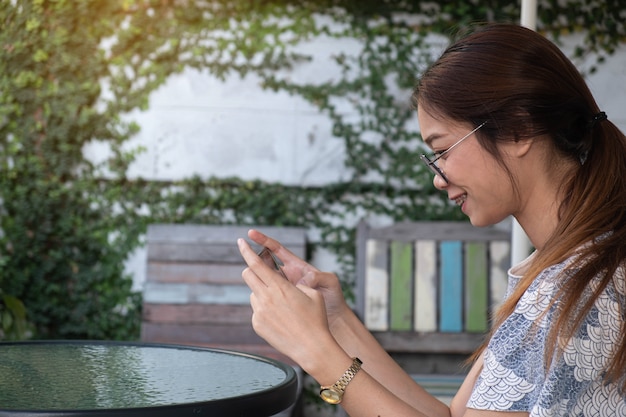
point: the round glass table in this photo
(78, 378)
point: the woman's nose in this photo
(439, 182)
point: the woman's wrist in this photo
(321, 360)
(347, 330)
(339, 323)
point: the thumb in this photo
(309, 279)
(306, 290)
(318, 280)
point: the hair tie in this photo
(598, 117)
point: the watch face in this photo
(331, 396)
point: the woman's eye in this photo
(439, 153)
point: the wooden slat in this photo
(168, 293)
(500, 253)
(199, 333)
(223, 234)
(425, 286)
(362, 231)
(376, 286)
(412, 231)
(464, 343)
(451, 288)
(401, 291)
(197, 313)
(194, 272)
(476, 285)
(211, 243)
(192, 252)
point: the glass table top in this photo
(109, 375)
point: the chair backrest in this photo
(430, 278)
(194, 293)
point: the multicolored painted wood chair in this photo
(430, 286)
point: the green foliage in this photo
(71, 71)
(64, 235)
(13, 323)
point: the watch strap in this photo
(348, 375)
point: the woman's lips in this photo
(460, 199)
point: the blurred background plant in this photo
(13, 323)
(71, 71)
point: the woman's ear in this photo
(522, 147)
(524, 139)
(518, 148)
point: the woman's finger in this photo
(284, 254)
(252, 280)
(257, 273)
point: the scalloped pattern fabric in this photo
(514, 378)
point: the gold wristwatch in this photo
(333, 394)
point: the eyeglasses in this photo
(272, 261)
(432, 163)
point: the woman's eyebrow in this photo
(432, 137)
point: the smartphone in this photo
(272, 261)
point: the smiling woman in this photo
(562, 155)
(545, 154)
(474, 180)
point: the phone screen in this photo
(272, 261)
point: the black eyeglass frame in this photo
(432, 163)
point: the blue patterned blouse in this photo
(514, 377)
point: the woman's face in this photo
(477, 183)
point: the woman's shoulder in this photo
(514, 376)
(557, 275)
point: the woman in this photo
(537, 147)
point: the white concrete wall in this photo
(197, 125)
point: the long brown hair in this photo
(524, 86)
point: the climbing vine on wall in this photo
(70, 70)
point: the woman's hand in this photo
(289, 315)
(300, 272)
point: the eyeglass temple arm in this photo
(458, 142)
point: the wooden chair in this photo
(194, 293)
(425, 287)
